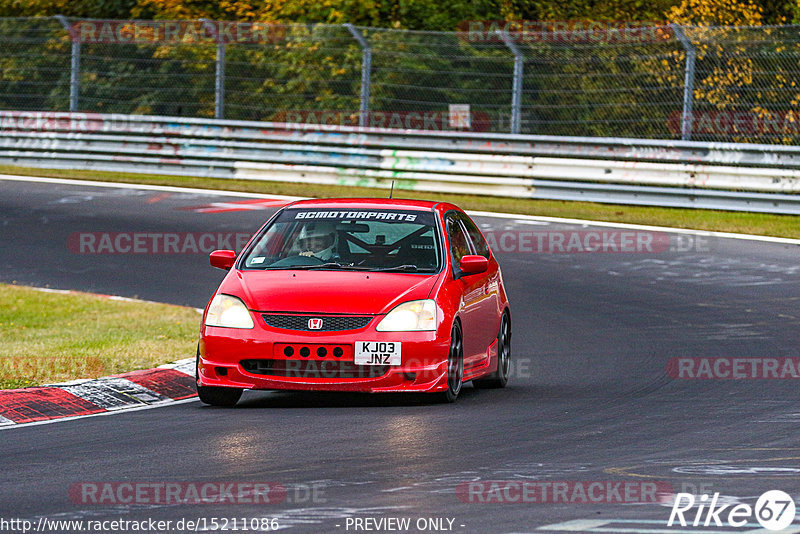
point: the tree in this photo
(108, 9)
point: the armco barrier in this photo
(764, 178)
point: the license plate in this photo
(377, 353)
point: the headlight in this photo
(413, 315)
(229, 311)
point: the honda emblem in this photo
(314, 324)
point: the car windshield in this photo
(368, 240)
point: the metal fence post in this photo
(516, 90)
(75, 65)
(219, 78)
(688, 82)
(219, 93)
(366, 74)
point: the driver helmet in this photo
(318, 237)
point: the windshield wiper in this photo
(329, 265)
(407, 268)
(352, 267)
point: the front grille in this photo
(330, 323)
(313, 369)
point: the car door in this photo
(470, 289)
(487, 307)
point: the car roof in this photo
(361, 203)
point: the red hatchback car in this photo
(372, 295)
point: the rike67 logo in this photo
(774, 510)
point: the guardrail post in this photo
(366, 72)
(219, 79)
(75, 65)
(516, 91)
(688, 82)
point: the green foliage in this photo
(101, 9)
(407, 14)
(600, 88)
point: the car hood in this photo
(326, 291)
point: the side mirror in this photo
(222, 259)
(471, 264)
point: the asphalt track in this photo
(590, 398)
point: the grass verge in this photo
(55, 337)
(716, 220)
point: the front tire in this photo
(455, 366)
(499, 378)
(218, 396)
(215, 395)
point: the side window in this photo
(481, 247)
(459, 243)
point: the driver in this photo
(318, 239)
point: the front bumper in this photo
(227, 356)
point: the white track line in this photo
(586, 222)
(109, 297)
(144, 187)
